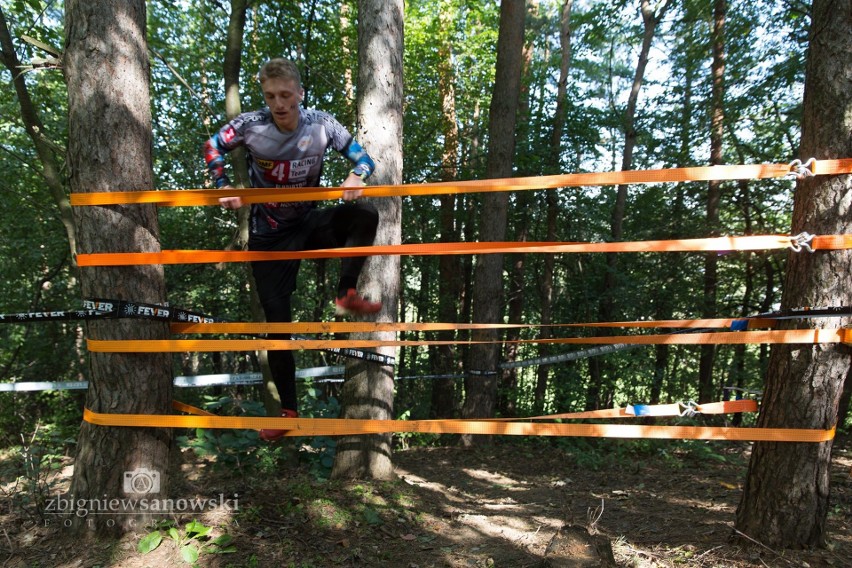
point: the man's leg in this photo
(282, 364)
(352, 224)
(275, 282)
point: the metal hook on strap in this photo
(798, 170)
(689, 409)
(802, 241)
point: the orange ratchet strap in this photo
(352, 427)
(719, 244)
(804, 336)
(261, 195)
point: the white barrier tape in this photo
(182, 381)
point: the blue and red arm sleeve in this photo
(364, 165)
(214, 156)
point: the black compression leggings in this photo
(351, 224)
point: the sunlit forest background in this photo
(669, 127)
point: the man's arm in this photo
(214, 156)
(363, 168)
(363, 163)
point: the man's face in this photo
(283, 96)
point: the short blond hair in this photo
(280, 68)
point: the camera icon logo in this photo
(142, 480)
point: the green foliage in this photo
(230, 448)
(244, 450)
(764, 75)
(612, 455)
(322, 449)
(33, 471)
(192, 541)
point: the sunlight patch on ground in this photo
(504, 518)
(517, 530)
(495, 479)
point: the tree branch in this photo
(184, 82)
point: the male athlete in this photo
(285, 146)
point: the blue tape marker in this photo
(641, 410)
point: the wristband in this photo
(361, 173)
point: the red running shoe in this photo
(352, 303)
(272, 435)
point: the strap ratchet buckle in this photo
(802, 241)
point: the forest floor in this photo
(664, 504)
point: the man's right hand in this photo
(230, 202)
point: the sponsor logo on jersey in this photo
(281, 172)
(228, 134)
(305, 142)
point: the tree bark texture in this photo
(786, 495)
(368, 390)
(481, 382)
(107, 71)
(231, 68)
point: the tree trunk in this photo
(348, 81)
(368, 390)
(106, 64)
(508, 396)
(508, 378)
(45, 148)
(717, 130)
(231, 68)
(481, 382)
(443, 404)
(786, 494)
(551, 199)
(599, 387)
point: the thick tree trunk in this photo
(368, 390)
(106, 64)
(481, 383)
(786, 495)
(507, 398)
(508, 378)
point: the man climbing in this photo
(285, 147)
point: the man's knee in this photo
(369, 216)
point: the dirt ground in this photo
(497, 506)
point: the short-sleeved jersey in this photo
(283, 159)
